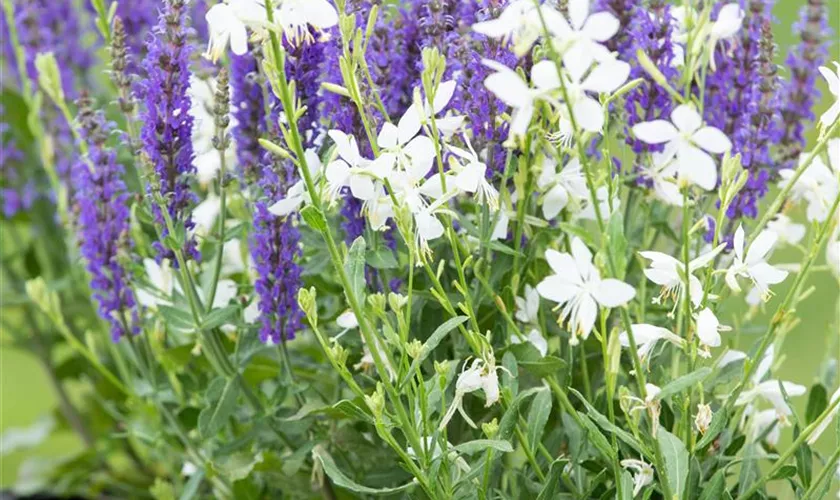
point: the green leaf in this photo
(785, 472)
(355, 268)
(219, 317)
(603, 422)
(682, 383)
(472, 447)
(675, 458)
(238, 465)
(804, 461)
(596, 438)
(314, 218)
(177, 319)
(339, 479)
(544, 367)
(553, 480)
(626, 486)
(578, 231)
(713, 490)
(538, 416)
(221, 411)
(509, 419)
(750, 468)
(817, 403)
(431, 343)
(382, 258)
(191, 488)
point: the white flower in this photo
(350, 169)
(667, 271)
(833, 79)
(662, 173)
(690, 142)
(480, 375)
(472, 178)
(731, 356)
(708, 330)
(647, 336)
(297, 194)
(228, 23)
(421, 112)
(205, 213)
(770, 391)
(788, 231)
(296, 16)
(510, 88)
(758, 424)
(500, 231)
(819, 184)
(703, 418)
(160, 279)
(832, 254)
(650, 404)
(827, 420)
(347, 320)
(534, 338)
(577, 285)
(528, 307)
(642, 473)
(754, 264)
(560, 186)
(604, 78)
(728, 23)
(519, 24)
(581, 41)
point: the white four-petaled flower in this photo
(578, 287)
(687, 140)
(753, 264)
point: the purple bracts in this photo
(103, 222)
(800, 93)
(167, 124)
(249, 111)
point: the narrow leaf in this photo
(675, 458)
(339, 479)
(439, 334)
(355, 268)
(472, 447)
(538, 416)
(222, 410)
(682, 383)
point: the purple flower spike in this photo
(167, 124)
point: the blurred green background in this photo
(25, 394)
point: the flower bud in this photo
(308, 304)
(377, 303)
(442, 368)
(397, 301)
(414, 348)
(490, 428)
(376, 402)
(49, 77)
(46, 300)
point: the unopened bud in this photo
(490, 428)
(377, 302)
(376, 402)
(703, 418)
(308, 304)
(414, 349)
(49, 77)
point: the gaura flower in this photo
(534, 338)
(642, 473)
(729, 21)
(667, 271)
(228, 23)
(833, 79)
(605, 78)
(297, 195)
(472, 178)
(662, 173)
(754, 265)
(770, 390)
(161, 284)
(480, 375)
(296, 16)
(559, 187)
(520, 24)
(528, 307)
(708, 331)
(581, 40)
(511, 89)
(689, 141)
(606, 205)
(421, 112)
(578, 287)
(703, 418)
(647, 336)
(787, 231)
(819, 184)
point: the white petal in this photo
(555, 200)
(686, 118)
(766, 274)
(286, 206)
(562, 264)
(444, 94)
(225, 292)
(601, 26)
(388, 136)
(606, 77)
(582, 255)
(712, 140)
(832, 80)
(508, 86)
(829, 117)
(762, 245)
(521, 119)
(347, 320)
(655, 132)
(362, 187)
(556, 289)
(544, 75)
(707, 328)
(409, 125)
(578, 12)
(696, 166)
(319, 13)
(589, 114)
(614, 293)
(239, 39)
(337, 173)
(587, 311)
(738, 242)
(538, 341)
(428, 226)
(728, 22)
